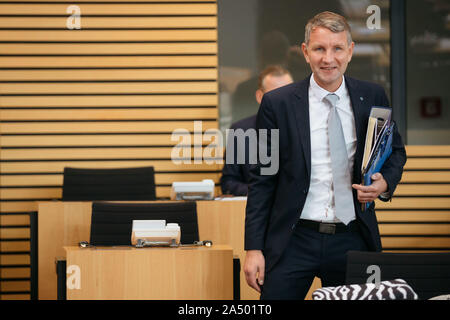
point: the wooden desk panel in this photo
(59, 224)
(124, 273)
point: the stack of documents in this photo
(378, 145)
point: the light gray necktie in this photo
(343, 198)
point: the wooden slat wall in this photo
(418, 218)
(106, 96)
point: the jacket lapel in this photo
(301, 110)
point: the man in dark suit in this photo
(235, 176)
(301, 221)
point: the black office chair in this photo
(122, 184)
(427, 273)
(111, 223)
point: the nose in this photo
(329, 56)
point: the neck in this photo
(331, 87)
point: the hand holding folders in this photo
(378, 146)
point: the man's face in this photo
(328, 54)
(271, 82)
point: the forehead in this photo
(321, 35)
(271, 81)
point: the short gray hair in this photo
(330, 20)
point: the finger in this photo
(366, 199)
(261, 275)
(366, 196)
(255, 285)
(371, 195)
(364, 188)
(250, 277)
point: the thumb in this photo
(376, 176)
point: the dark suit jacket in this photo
(235, 177)
(275, 202)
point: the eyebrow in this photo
(340, 44)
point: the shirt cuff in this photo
(384, 195)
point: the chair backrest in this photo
(120, 184)
(111, 223)
(427, 273)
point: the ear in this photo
(351, 47)
(259, 95)
(305, 52)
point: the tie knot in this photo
(332, 99)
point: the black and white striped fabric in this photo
(396, 289)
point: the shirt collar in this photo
(321, 93)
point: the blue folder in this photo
(382, 151)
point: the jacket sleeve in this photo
(232, 180)
(262, 187)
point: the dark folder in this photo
(379, 136)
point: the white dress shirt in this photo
(319, 205)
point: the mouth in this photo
(328, 68)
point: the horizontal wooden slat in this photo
(414, 229)
(51, 193)
(15, 272)
(109, 101)
(98, 153)
(102, 74)
(57, 180)
(95, 140)
(422, 189)
(415, 242)
(427, 163)
(412, 216)
(8, 220)
(417, 151)
(415, 203)
(18, 206)
(107, 35)
(15, 285)
(426, 176)
(108, 62)
(58, 166)
(30, 193)
(108, 114)
(15, 297)
(110, 9)
(108, 48)
(8, 246)
(106, 22)
(108, 87)
(12, 233)
(102, 127)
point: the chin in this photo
(328, 80)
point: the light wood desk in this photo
(124, 273)
(67, 223)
